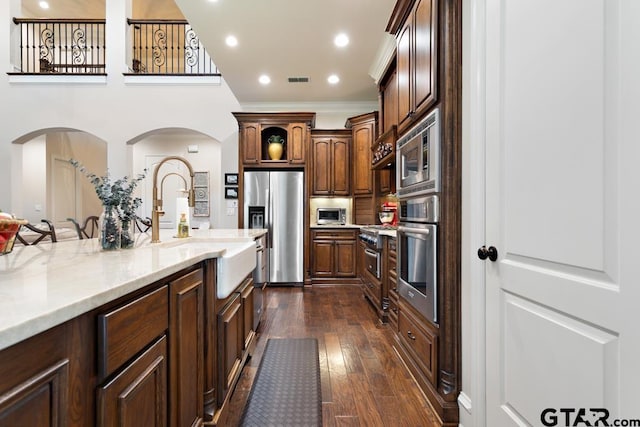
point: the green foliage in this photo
(118, 193)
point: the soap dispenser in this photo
(183, 226)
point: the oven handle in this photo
(414, 232)
(371, 253)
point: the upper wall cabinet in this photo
(416, 61)
(330, 155)
(274, 139)
(363, 128)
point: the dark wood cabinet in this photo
(389, 100)
(230, 345)
(419, 341)
(150, 358)
(297, 143)
(333, 254)
(364, 133)
(330, 153)
(42, 399)
(138, 395)
(246, 296)
(255, 129)
(186, 331)
(250, 150)
(416, 54)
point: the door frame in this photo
(472, 398)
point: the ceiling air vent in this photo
(298, 79)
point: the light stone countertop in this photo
(45, 285)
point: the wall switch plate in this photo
(192, 148)
(231, 211)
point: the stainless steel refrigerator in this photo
(274, 200)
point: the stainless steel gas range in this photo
(373, 241)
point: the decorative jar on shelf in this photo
(276, 147)
(110, 228)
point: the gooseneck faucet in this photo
(157, 211)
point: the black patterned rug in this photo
(286, 390)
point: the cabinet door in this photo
(384, 181)
(404, 73)
(345, 258)
(186, 333)
(322, 258)
(363, 138)
(138, 395)
(340, 162)
(230, 343)
(424, 55)
(246, 294)
(250, 143)
(41, 400)
(390, 103)
(296, 146)
(322, 167)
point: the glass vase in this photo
(110, 228)
(127, 238)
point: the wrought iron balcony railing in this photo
(168, 47)
(68, 46)
(77, 46)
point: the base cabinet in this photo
(138, 395)
(230, 345)
(40, 400)
(136, 361)
(186, 323)
(334, 253)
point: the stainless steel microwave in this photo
(418, 158)
(327, 216)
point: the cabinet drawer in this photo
(421, 344)
(333, 235)
(126, 330)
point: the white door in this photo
(66, 193)
(562, 191)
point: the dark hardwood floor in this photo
(364, 382)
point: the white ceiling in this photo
(281, 38)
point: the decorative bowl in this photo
(8, 230)
(386, 217)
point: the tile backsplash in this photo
(330, 202)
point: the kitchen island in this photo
(80, 326)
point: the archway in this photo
(50, 187)
(203, 152)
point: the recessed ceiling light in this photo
(43, 5)
(213, 1)
(231, 41)
(341, 40)
(264, 79)
(333, 79)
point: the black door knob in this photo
(490, 252)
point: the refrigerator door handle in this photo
(269, 223)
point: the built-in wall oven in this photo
(417, 254)
(418, 158)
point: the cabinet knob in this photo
(410, 335)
